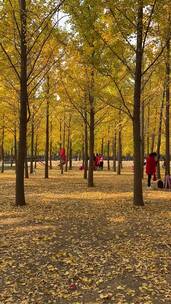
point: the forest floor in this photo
(71, 244)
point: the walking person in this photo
(151, 164)
(101, 162)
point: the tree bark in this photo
(15, 147)
(85, 145)
(159, 134)
(148, 129)
(26, 166)
(154, 132)
(12, 157)
(108, 155)
(2, 145)
(91, 134)
(32, 145)
(168, 109)
(20, 193)
(35, 155)
(67, 152)
(138, 195)
(47, 133)
(142, 138)
(119, 151)
(114, 151)
(119, 145)
(50, 148)
(91, 144)
(70, 155)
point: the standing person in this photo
(101, 161)
(151, 164)
(97, 161)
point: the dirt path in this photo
(75, 245)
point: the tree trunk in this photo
(12, 157)
(148, 129)
(91, 145)
(70, 155)
(154, 132)
(32, 146)
(20, 193)
(138, 195)
(142, 138)
(15, 147)
(114, 152)
(26, 166)
(168, 109)
(64, 134)
(82, 151)
(50, 148)
(47, 133)
(2, 146)
(119, 152)
(108, 155)
(67, 151)
(60, 144)
(85, 146)
(60, 134)
(91, 140)
(159, 134)
(35, 155)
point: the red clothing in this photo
(97, 161)
(62, 155)
(150, 165)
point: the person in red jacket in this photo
(151, 164)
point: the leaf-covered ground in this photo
(72, 244)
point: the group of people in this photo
(98, 161)
(151, 165)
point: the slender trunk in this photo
(108, 155)
(32, 145)
(91, 140)
(2, 146)
(70, 155)
(60, 134)
(138, 195)
(154, 132)
(168, 109)
(85, 146)
(159, 134)
(26, 166)
(50, 148)
(47, 133)
(119, 146)
(142, 138)
(12, 157)
(119, 152)
(148, 129)
(20, 193)
(67, 152)
(35, 155)
(114, 152)
(82, 152)
(91, 145)
(64, 134)
(60, 145)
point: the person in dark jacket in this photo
(151, 164)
